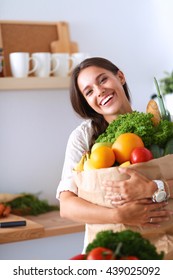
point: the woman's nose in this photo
(100, 90)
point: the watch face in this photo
(160, 196)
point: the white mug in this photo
(78, 57)
(65, 64)
(20, 64)
(44, 60)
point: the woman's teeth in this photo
(105, 100)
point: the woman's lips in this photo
(106, 99)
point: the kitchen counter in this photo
(41, 226)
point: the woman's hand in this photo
(135, 187)
(144, 213)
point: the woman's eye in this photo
(88, 92)
(104, 79)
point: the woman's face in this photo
(104, 91)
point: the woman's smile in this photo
(106, 100)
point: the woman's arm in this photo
(132, 213)
(77, 209)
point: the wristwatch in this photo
(159, 195)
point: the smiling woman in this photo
(99, 94)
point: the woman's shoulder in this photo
(84, 127)
(81, 136)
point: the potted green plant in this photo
(166, 86)
(166, 83)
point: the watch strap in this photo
(160, 184)
(159, 192)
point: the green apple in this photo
(97, 145)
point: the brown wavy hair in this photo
(80, 105)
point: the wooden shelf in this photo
(29, 83)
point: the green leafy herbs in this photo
(132, 244)
(162, 133)
(166, 83)
(30, 204)
(141, 124)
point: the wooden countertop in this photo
(55, 225)
(44, 225)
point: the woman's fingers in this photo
(157, 213)
(158, 206)
(112, 192)
(136, 186)
(156, 221)
(114, 196)
(110, 185)
(130, 171)
(144, 214)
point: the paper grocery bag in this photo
(89, 188)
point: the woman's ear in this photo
(121, 77)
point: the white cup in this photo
(79, 57)
(44, 60)
(64, 62)
(20, 64)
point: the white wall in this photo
(34, 125)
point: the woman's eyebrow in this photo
(96, 79)
(85, 89)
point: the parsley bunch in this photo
(141, 124)
(128, 243)
(30, 204)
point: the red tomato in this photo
(140, 154)
(79, 257)
(101, 253)
(129, 258)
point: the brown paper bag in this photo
(89, 182)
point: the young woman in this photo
(99, 94)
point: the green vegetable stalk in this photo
(165, 115)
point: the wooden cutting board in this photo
(63, 44)
(32, 230)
